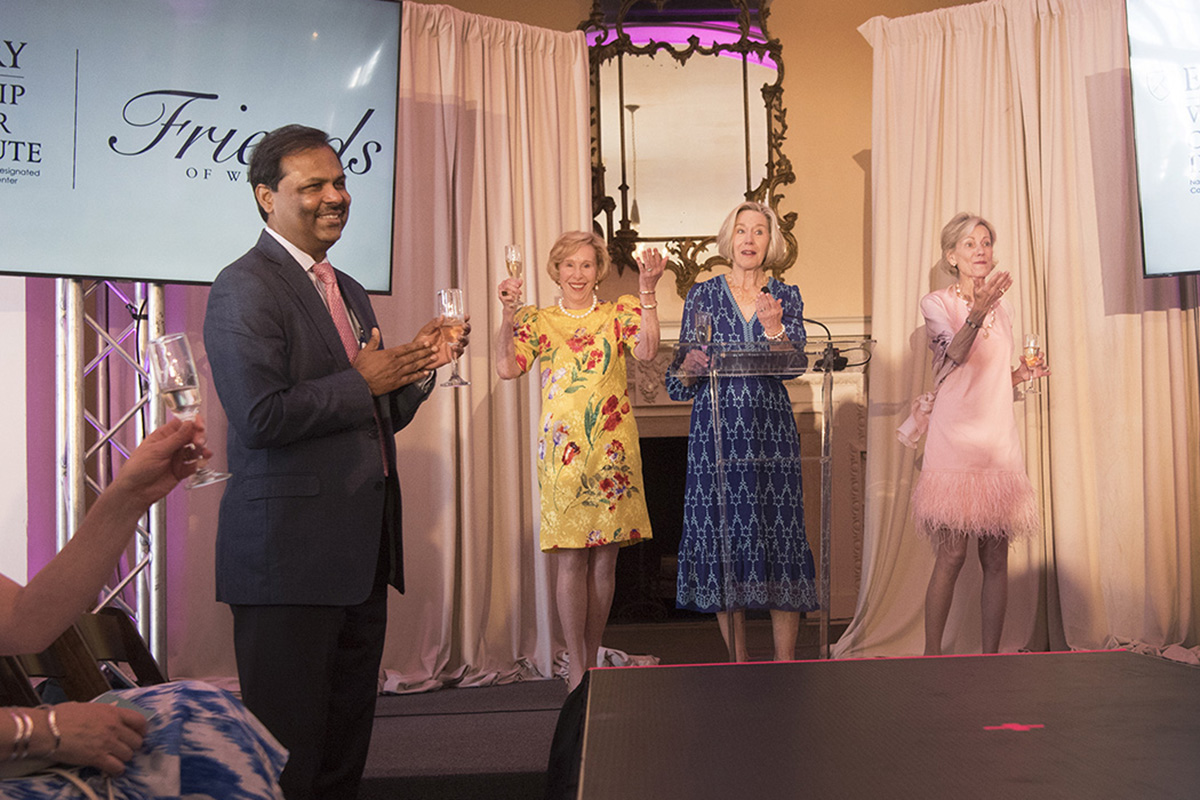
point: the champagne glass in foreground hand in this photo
(1032, 354)
(450, 306)
(179, 384)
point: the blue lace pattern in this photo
(772, 565)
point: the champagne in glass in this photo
(178, 383)
(184, 403)
(702, 331)
(514, 261)
(1032, 354)
(703, 324)
(450, 306)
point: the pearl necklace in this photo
(991, 317)
(574, 315)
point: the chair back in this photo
(111, 636)
(69, 661)
(15, 688)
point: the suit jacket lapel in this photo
(302, 291)
(358, 302)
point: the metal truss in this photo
(105, 406)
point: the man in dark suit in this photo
(309, 530)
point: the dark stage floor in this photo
(488, 742)
(494, 742)
(1044, 725)
(1114, 725)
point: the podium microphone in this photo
(832, 359)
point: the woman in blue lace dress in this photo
(177, 740)
(771, 562)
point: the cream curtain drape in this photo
(493, 149)
(1018, 110)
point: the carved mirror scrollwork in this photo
(687, 118)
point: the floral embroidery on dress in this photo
(614, 481)
(589, 465)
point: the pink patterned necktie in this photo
(341, 321)
(337, 308)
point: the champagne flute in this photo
(514, 261)
(178, 382)
(450, 306)
(703, 325)
(1032, 354)
(702, 330)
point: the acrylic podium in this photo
(784, 360)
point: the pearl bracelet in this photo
(778, 337)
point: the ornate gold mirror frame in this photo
(690, 255)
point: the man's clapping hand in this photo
(386, 370)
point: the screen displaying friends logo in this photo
(126, 127)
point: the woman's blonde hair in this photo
(776, 246)
(571, 241)
(957, 229)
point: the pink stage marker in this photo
(1011, 726)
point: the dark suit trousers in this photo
(310, 674)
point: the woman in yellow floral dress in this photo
(589, 464)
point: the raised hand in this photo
(989, 290)
(431, 333)
(386, 370)
(769, 312)
(509, 292)
(1038, 370)
(165, 457)
(651, 265)
(464, 338)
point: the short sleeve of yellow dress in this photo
(589, 462)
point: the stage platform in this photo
(1109, 724)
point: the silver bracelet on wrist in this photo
(55, 731)
(22, 736)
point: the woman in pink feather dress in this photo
(973, 484)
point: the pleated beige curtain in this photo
(1018, 110)
(493, 149)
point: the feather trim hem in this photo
(999, 505)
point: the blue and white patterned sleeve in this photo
(793, 321)
(676, 389)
